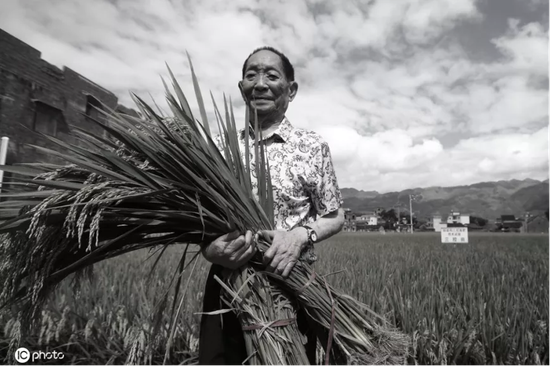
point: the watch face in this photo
(313, 236)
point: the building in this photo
(453, 219)
(437, 223)
(509, 223)
(369, 218)
(368, 221)
(536, 224)
(37, 96)
(350, 221)
(456, 218)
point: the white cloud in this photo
(536, 4)
(526, 47)
(426, 20)
(376, 79)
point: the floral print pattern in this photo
(302, 174)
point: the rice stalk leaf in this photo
(179, 93)
(23, 170)
(199, 97)
(224, 134)
(216, 312)
(93, 167)
(62, 273)
(257, 168)
(131, 170)
(156, 105)
(244, 169)
(234, 142)
(179, 273)
(176, 316)
(264, 173)
(247, 149)
(270, 210)
(29, 195)
(77, 150)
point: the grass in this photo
(485, 302)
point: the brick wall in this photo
(28, 83)
(26, 79)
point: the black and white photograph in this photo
(283, 182)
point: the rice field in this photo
(485, 302)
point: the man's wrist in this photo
(308, 251)
(303, 235)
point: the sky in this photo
(407, 93)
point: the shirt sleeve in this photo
(325, 195)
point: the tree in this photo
(420, 223)
(405, 217)
(390, 218)
(480, 221)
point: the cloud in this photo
(393, 160)
(388, 84)
(526, 48)
(536, 5)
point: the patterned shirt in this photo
(302, 175)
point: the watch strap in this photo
(310, 231)
(308, 253)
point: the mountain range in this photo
(487, 199)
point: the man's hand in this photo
(231, 250)
(285, 249)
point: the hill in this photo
(533, 198)
(352, 192)
(486, 199)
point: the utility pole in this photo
(412, 197)
(411, 210)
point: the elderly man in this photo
(307, 201)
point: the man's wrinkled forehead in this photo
(266, 60)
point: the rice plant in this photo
(481, 303)
(155, 183)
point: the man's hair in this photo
(288, 69)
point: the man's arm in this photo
(287, 246)
(326, 196)
(326, 199)
(326, 226)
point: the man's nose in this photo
(260, 83)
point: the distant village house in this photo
(455, 218)
(366, 221)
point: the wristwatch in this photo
(308, 253)
(311, 234)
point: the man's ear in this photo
(242, 92)
(293, 90)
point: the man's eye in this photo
(250, 76)
(272, 77)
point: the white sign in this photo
(454, 235)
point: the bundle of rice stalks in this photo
(161, 181)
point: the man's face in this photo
(265, 86)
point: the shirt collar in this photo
(282, 133)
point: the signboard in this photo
(454, 235)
